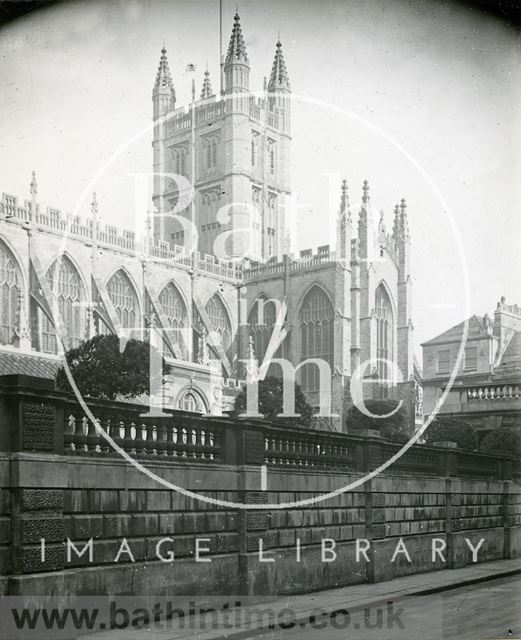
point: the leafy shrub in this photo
(502, 440)
(393, 427)
(101, 370)
(271, 401)
(452, 430)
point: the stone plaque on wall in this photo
(254, 447)
(38, 423)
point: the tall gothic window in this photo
(66, 286)
(123, 297)
(261, 322)
(211, 153)
(384, 336)
(219, 320)
(175, 312)
(10, 286)
(316, 326)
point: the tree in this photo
(449, 429)
(101, 370)
(502, 440)
(393, 427)
(271, 401)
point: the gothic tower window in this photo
(179, 159)
(10, 281)
(123, 297)
(175, 312)
(219, 320)
(384, 336)
(211, 153)
(261, 321)
(254, 148)
(316, 326)
(67, 288)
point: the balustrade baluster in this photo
(80, 436)
(128, 438)
(104, 446)
(68, 436)
(140, 439)
(184, 440)
(150, 430)
(194, 443)
(92, 436)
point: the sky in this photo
(420, 98)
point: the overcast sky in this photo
(414, 96)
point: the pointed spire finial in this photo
(344, 198)
(163, 77)
(236, 48)
(34, 185)
(279, 78)
(207, 86)
(365, 192)
(94, 205)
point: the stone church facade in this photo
(218, 303)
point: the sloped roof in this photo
(476, 329)
(512, 354)
(24, 364)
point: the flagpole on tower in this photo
(221, 44)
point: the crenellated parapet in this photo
(53, 220)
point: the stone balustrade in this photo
(494, 392)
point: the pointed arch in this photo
(176, 313)
(220, 320)
(261, 320)
(123, 296)
(69, 290)
(316, 319)
(384, 315)
(11, 287)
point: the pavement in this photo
(304, 607)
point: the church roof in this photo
(38, 366)
(476, 329)
(236, 48)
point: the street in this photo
(481, 611)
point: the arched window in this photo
(219, 320)
(384, 335)
(123, 297)
(10, 290)
(211, 153)
(66, 286)
(192, 401)
(316, 325)
(261, 322)
(175, 312)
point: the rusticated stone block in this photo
(87, 527)
(226, 543)
(379, 530)
(5, 501)
(144, 524)
(287, 537)
(32, 561)
(117, 526)
(194, 522)
(5, 530)
(76, 501)
(252, 542)
(261, 497)
(42, 500)
(157, 500)
(378, 499)
(216, 521)
(170, 523)
(34, 529)
(257, 520)
(104, 500)
(38, 424)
